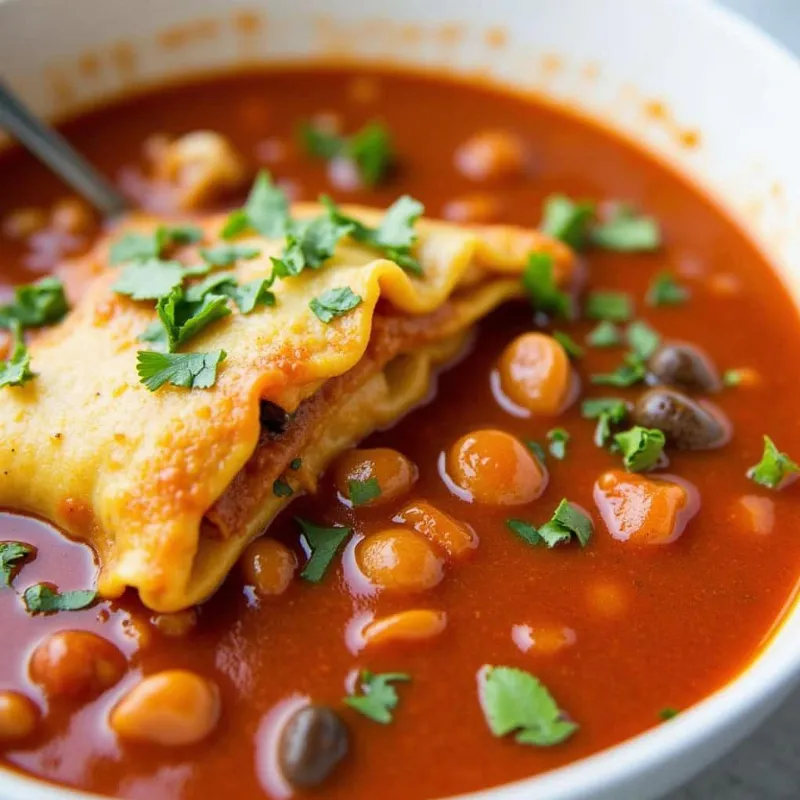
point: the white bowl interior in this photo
(685, 79)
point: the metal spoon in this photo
(51, 148)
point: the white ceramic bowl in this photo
(710, 78)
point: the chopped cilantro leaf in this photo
(557, 439)
(643, 340)
(186, 370)
(539, 281)
(149, 279)
(641, 448)
(183, 234)
(567, 220)
(236, 223)
(609, 306)
(137, 246)
(36, 304)
(731, 378)
(668, 713)
(361, 492)
(573, 349)
(514, 701)
(322, 545)
(775, 467)
(12, 554)
(567, 521)
(223, 255)
(378, 697)
(631, 372)
(281, 489)
(606, 334)
(17, 369)
(627, 232)
(334, 303)
(664, 290)
(310, 243)
(608, 411)
(296, 463)
(527, 532)
(217, 283)
(265, 211)
(249, 295)
(182, 319)
(537, 450)
(41, 598)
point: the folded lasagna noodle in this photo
(170, 486)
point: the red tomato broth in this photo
(692, 613)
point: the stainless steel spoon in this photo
(51, 148)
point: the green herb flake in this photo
(664, 290)
(12, 554)
(362, 492)
(567, 220)
(16, 370)
(265, 211)
(334, 303)
(572, 348)
(296, 463)
(539, 281)
(149, 279)
(281, 489)
(42, 598)
(774, 469)
(36, 304)
(568, 521)
(309, 244)
(223, 255)
(609, 306)
(537, 450)
(378, 697)
(627, 232)
(731, 378)
(135, 246)
(641, 448)
(557, 439)
(183, 234)
(322, 544)
(643, 340)
(629, 373)
(606, 334)
(668, 713)
(514, 701)
(182, 318)
(608, 411)
(248, 296)
(185, 370)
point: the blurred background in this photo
(767, 765)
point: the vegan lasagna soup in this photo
(407, 439)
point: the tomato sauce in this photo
(640, 628)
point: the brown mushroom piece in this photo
(686, 424)
(685, 367)
(313, 742)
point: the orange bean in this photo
(174, 707)
(535, 373)
(644, 510)
(76, 664)
(542, 639)
(394, 473)
(405, 626)
(757, 513)
(494, 468)
(454, 538)
(268, 566)
(19, 716)
(492, 155)
(399, 560)
(473, 209)
(607, 599)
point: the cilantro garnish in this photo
(664, 290)
(41, 598)
(295, 463)
(17, 369)
(334, 303)
(630, 372)
(567, 220)
(181, 319)
(248, 296)
(557, 442)
(668, 713)
(36, 304)
(514, 701)
(641, 448)
(149, 279)
(774, 468)
(186, 370)
(137, 246)
(266, 211)
(539, 281)
(370, 149)
(608, 411)
(223, 255)
(567, 521)
(378, 697)
(606, 334)
(309, 243)
(731, 378)
(572, 348)
(627, 232)
(12, 554)
(281, 489)
(643, 340)
(537, 450)
(609, 306)
(362, 492)
(322, 545)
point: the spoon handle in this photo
(51, 148)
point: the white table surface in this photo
(767, 765)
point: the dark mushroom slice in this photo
(686, 424)
(683, 366)
(312, 743)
